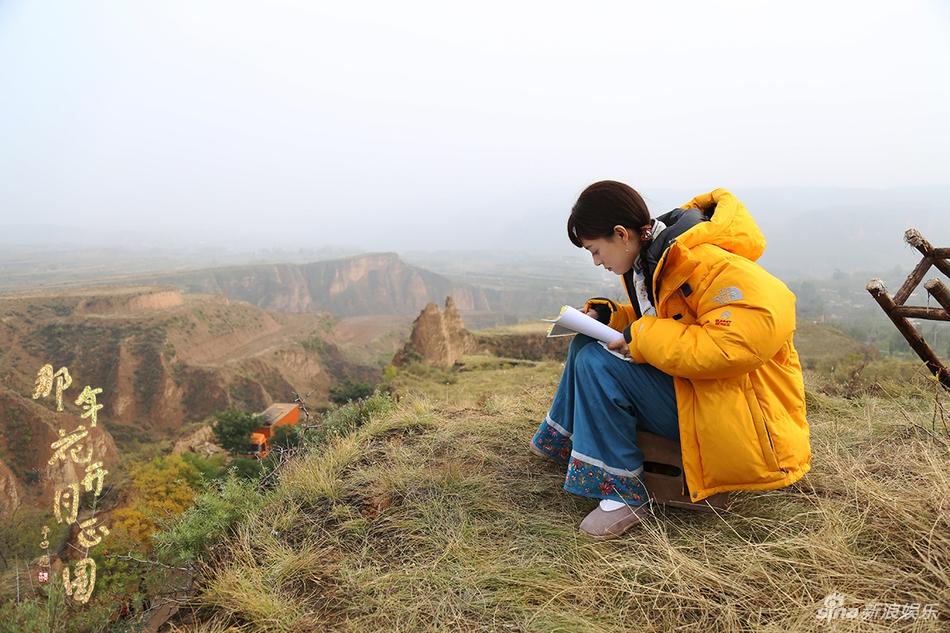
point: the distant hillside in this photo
(373, 284)
(364, 284)
(162, 358)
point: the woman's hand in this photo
(620, 346)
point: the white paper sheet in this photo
(573, 321)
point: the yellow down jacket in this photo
(723, 329)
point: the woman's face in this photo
(615, 253)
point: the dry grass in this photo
(435, 517)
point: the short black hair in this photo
(601, 207)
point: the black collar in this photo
(677, 222)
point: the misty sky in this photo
(425, 125)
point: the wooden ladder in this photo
(898, 313)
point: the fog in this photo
(433, 126)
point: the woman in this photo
(708, 338)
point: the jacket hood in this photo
(715, 218)
(730, 225)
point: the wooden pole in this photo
(939, 292)
(936, 256)
(913, 312)
(912, 280)
(909, 332)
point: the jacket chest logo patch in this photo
(724, 319)
(727, 295)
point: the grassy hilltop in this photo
(429, 514)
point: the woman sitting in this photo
(709, 358)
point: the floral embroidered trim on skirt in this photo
(599, 404)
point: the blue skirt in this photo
(592, 424)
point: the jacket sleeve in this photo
(615, 315)
(744, 316)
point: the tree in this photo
(161, 489)
(285, 437)
(233, 429)
(350, 390)
(210, 468)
